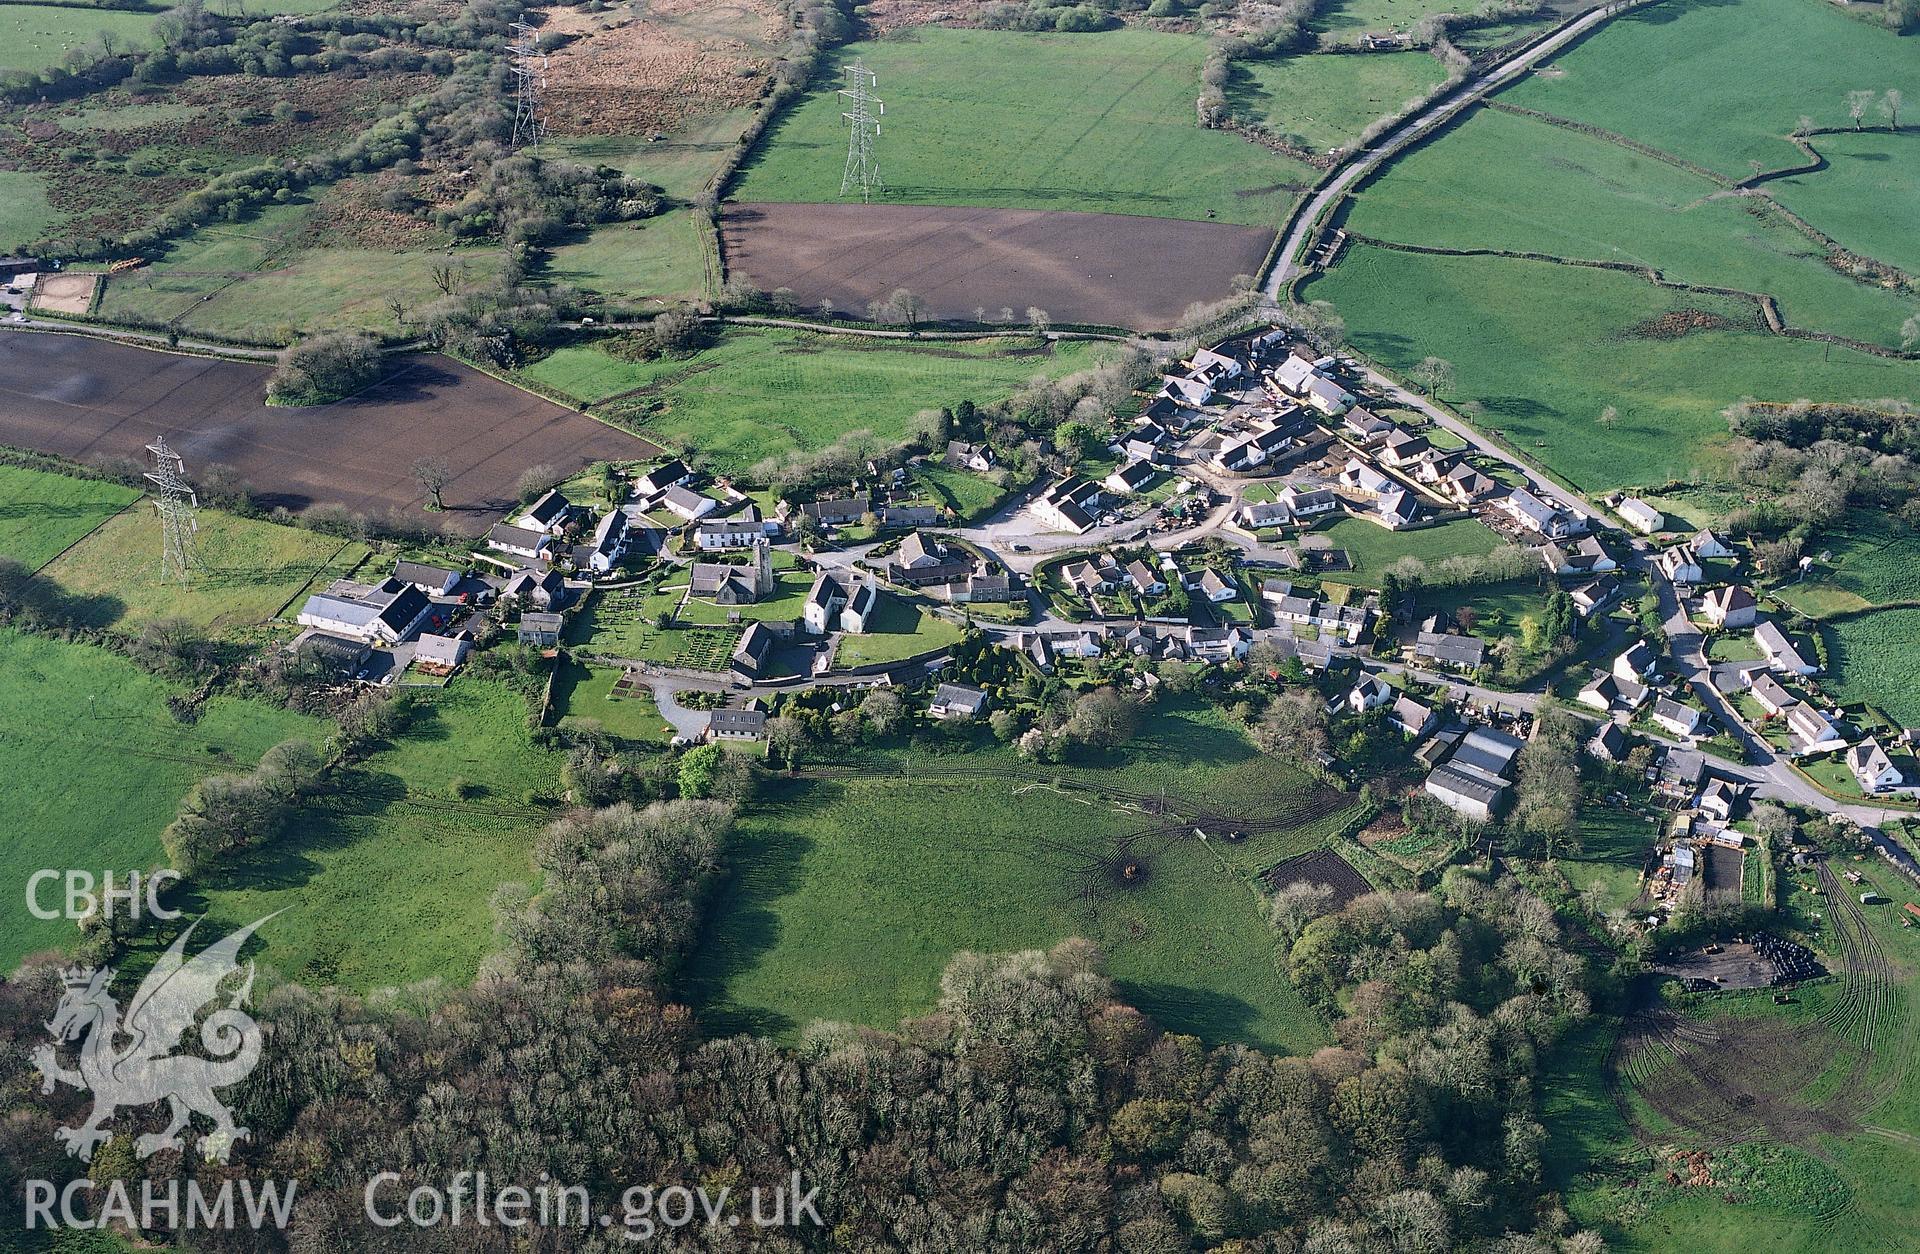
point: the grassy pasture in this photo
(25, 213)
(41, 514)
(1722, 83)
(1874, 561)
(659, 259)
(1327, 101)
(585, 694)
(96, 766)
(389, 880)
(1099, 123)
(1868, 196)
(897, 630)
(1871, 659)
(34, 37)
(1502, 181)
(1541, 350)
(848, 897)
(249, 570)
(760, 393)
(1373, 548)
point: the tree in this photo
(1076, 439)
(324, 368)
(1890, 107)
(1102, 719)
(1858, 102)
(1294, 726)
(1320, 325)
(883, 711)
(1037, 321)
(699, 771)
(676, 330)
(786, 736)
(445, 277)
(1910, 332)
(1433, 375)
(1547, 800)
(906, 308)
(291, 770)
(433, 474)
(1608, 417)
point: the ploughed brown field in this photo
(80, 398)
(1105, 268)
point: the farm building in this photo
(687, 503)
(1412, 717)
(1473, 781)
(440, 655)
(1585, 556)
(436, 581)
(1536, 515)
(1450, 651)
(550, 513)
(383, 613)
(542, 589)
(1641, 516)
(519, 542)
(672, 475)
(336, 656)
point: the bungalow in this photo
(550, 513)
(1363, 424)
(957, 701)
(1240, 455)
(1780, 652)
(1137, 448)
(1402, 447)
(1307, 502)
(1090, 578)
(1263, 514)
(1212, 585)
(383, 613)
(1680, 564)
(1369, 693)
(542, 589)
(540, 630)
(917, 552)
(839, 511)
(1718, 799)
(1362, 477)
(1609, 744)
(1144, 579)
(1606, 693)
(1069, 505)
(1536, 515)
(750, 654)
(728, 533)
(1637, 664)
(519, 541)
(1681, 771)
(435, 581)
(737, 725)
(1731, 606)
(1295, 372)
(672, 475)
(1396, 509)
(1585, 556)
(1812, 731)
(1872, 767)
(1347, 622)
(687, 503)
(1592, 597)
(1412, 717)
(1771, 695)
(1327, 396)
(1641, 516)
(909, 515)
(1681, 720)
(964, 456)
(1130, 478)
(440, 655)
(1709, 544)
(1450, 651)
(1218, 364)
(1467, 485)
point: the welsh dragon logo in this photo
(133, 1063)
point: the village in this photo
(1196, 539)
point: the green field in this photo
(1540, 351)
(25, 213)
(35, 37)
(248, 572)
(784, 604)
(1098, 123)
(1722, 82)
(389, 881)
(658, 260)
(584, 694)
(897, 630)
(1373, 548)
(1871, 560)
(259, 282)
(96, 766)
(1868, 196)
(1503, 181)
(1870, 658)
(1613, 847)
(759, 393)
(970, 495)
(1327, 101)
(45, 513)
(1854, 1190)
(849, 897)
